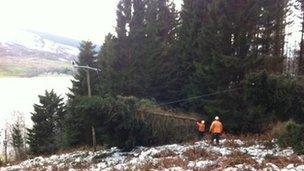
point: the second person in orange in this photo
(216, 130)
(201, 129)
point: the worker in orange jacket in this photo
(216, 130)
(201, 129)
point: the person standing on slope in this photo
(216, 130)
(201, 129)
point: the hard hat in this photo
(216, 118)
(202, 121)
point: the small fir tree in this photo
(47, 118)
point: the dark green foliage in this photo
(46, 134)
(193, 16)
(279, 96)
(83, 113)
(18, 141)
(139, 61)
(292, 136)
(221, 43)
(114, 120)
(271, 98)
(156, 70)
(126, 130)
(124, 122)
(86, 57)
(223, 57)
(261, 100)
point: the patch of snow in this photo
(240, 167)
(200, 164)
(174, 169)
(290, 166)
(239, 142)
(231, 169)
(300, 167)
(218, 149)
(286, 152)
(271, 166)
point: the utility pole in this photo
(88, 83)
(87, 69)
(90, 95)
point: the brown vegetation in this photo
(282, 161)
(164, 153)
(166, 162)
(238, 158)
(193, 154)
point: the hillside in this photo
(232, 154)
(29, 53)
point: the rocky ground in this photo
(230, 155)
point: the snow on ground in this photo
(230, 155)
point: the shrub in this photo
(292, 136)
(277, 128)
(272, 98)
(114, 121)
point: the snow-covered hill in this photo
(29, 53)
(26, 43)
(231, 155)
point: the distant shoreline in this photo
(40, 75)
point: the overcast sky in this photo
(79, 19)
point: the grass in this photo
(29, 67)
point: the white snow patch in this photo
(239, 142)
(200, 164)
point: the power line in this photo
(200, 96)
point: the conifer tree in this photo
(139, 61)
(18, 140)
(47, 118)
(301, 52)
(193, 16)
(107, 58)
(73, 121)
(87, 57)
(158, 69)
(272, 33)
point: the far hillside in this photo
(29, 53)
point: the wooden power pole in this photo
(87, 69)
(90, 95)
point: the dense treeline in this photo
(228, 54)
(209, 47)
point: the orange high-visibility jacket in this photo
(216, 127)
(200, 126)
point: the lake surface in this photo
(17, 95)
